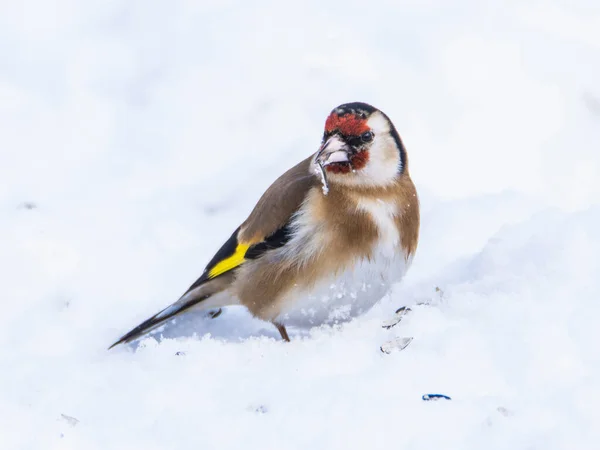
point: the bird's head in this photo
(360, 147)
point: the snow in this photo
(135, 137)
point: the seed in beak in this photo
(340, 156)
(321, 172)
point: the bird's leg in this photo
(282, 331)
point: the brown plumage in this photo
(278, 203)
(351, 236)
(319, 250)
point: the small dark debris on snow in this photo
(504, 411)
(398, 315)
(216, 313)
(260, 409)
(179, 353)
(397, 344)
(435, 397)
(70, 420)
(27, 205)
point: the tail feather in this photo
(155, 321)
(191, 298)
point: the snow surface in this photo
(135, 136)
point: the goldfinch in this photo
(326, 240)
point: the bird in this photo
(325, 242)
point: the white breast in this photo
(383, 214)
(355, 290)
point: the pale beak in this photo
(334, 150)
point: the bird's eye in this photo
(366, 137)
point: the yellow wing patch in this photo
(231, 262)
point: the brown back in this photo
(282, 199)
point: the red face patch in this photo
(348, 124)
(338, 168)
(359, 160)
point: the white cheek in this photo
(384, 162)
